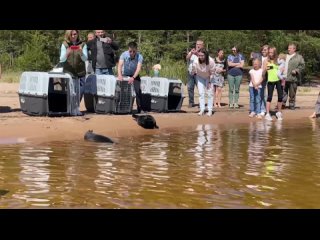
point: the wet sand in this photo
(14, 124)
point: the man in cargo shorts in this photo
(130, 63)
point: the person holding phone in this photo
(271, 67)
(192, 81)
(102, 49)
(73, 55)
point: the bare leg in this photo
(268, 107)
(215, 89)
(313, 115)
(279, 106)
(219, 93)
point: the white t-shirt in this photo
(257, 74)
(193, 58)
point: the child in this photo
(156, 70)
(282, 62)
(255, 89)
(218, 77)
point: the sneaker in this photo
(279, 115)
(292, 108)
(236, 105)
(268, 117)
(230, 105)
(252, 114)
(209, 114)
(201, 113)
(262, 114)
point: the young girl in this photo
(203, 68)
(255, 89)
(218, 77)
(272, 68)
(282, 62)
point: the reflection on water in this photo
(34, 176)
(256, 165)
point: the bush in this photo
(34, 58)
(174, 69)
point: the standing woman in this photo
(218, 77)
(235, 73)
(271, 67)
(73, 55)
(203, 69)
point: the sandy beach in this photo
(15, 124)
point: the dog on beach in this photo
(93, 137)
(145, 121)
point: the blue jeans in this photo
(192, 82)
(255, 100)
(104, 71)
(82, 83)
(263, 98)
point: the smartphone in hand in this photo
(75, 47)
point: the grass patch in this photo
(10, 77)
(304, 89)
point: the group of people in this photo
(270, 70)
(97, 56)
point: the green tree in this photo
(34, 58)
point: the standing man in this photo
(89, 69)
(192, 81)
(130, 65)
(292, 74)
(102, 56)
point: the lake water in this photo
(260, 165)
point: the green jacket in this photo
(296, 63)
(74, 63)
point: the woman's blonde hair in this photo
(67, 36)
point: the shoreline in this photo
(15, 124)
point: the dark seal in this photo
(145, 121)
(3, 192)
(91, 136)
